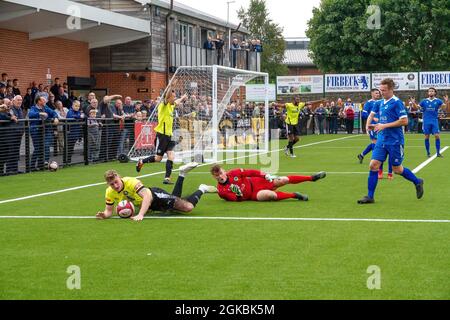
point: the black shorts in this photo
(162, 200)
(163, 143)
(293, 129)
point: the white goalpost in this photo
(215, 118)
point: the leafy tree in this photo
(256, 20)
(412, 35)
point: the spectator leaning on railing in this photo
(17, 128)
(39, 114)
(75, 130)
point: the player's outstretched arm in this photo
(147, 199)
(181, 100)
(101, 215)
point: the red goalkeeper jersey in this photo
(244, 180)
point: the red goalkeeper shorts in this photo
(259, 184)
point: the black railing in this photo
(29, 145)
(183, 55)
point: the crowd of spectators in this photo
(218, 44)
(338, 116)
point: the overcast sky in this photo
(292, 15)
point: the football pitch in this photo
(326, 248)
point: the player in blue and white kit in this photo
(368, 107)
(430, 109)
(390, 140)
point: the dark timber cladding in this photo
(150, 53)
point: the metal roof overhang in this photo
(98, 27)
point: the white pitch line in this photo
(296, 172)
(243, 219)
(427, 162)
(162, 172)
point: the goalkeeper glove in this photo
(236, 190)
(270, 177)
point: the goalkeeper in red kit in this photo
(254, 185)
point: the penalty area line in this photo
(428, 161)
(242, 219)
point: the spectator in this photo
(234, 47)
(62, 115)
(41, 118)
(27, 102)
(412, 114)
(349, 116)
(94, 136)
(93, 106)
(17, 129)
(334, 114)
(55, 88)
(258, 47)
(320, 113)
(119, 132)
(16, 89)
(5, 123)
(41, 92)
(63, 98)
(219, 43)
(87, 103)
(51, 101)
(34, 91)
(244, 45)
(9, 93)
(4, 80)
(208, 44)
(2, 91)
(75, 129)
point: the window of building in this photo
(186, 34)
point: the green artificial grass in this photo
(235, 259)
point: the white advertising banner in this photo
(256, 92)
(347, 82)
(435, 79)
(404, 81)
(299, 84)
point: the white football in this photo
(53, 166)
(125, 209)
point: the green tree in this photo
(256, 20)
(412, 35)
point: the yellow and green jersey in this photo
(165, 118)
(293, 112)
(131, 188)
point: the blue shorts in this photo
(395, 152)
(373, 135)
(431, 127)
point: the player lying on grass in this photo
(254, 185)
(154, 199)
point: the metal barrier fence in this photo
(29, 145)
(327, 124)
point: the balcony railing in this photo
(183, 55)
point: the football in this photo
(53, 166)
(125, 209)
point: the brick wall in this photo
(28, 60)
(299, 71)
(119, 83)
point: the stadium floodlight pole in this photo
(228, 25)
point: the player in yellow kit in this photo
(164, 132)
(293, 110)
(149, 199)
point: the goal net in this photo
(215, 119)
